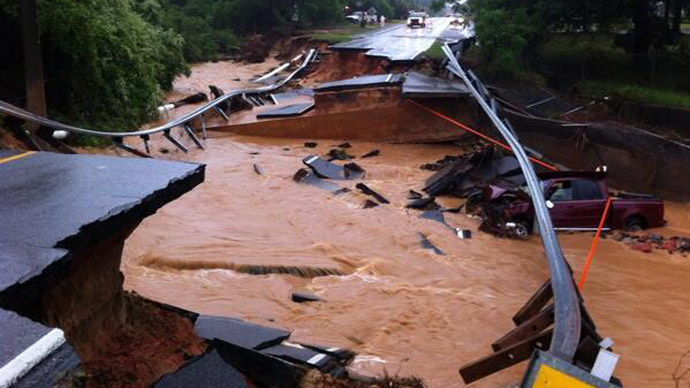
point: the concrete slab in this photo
(207, 371)
(238, 333)
(286, 111)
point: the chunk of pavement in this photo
(209, 370)
(238, 332)
(371, 154)
(368, 191)
(342, 191)
(300, 175)
(302, 296)
(345, 355)
(258, 169)
(426, 244)
(353, 171)
(328, 170)
(336, 154)
(344, 145)
(263, 369)
(300, 355)
(311, 144)
(447, 180)
(428, 203)
(414, 195)
(368, 204)
(434, 215)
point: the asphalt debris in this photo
(424, 203)
(258, 169)
(303, 296)
(337, 154)
(344, 145)
(368, 191)
(327, 170)
(426, 244)
(371, 154)
(311, 144)
(369, 204)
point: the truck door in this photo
(591, 200)
(564, 211)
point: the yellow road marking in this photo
(15, 157)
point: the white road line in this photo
(32, 356)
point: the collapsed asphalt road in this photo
(401, 43)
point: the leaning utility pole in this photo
(33, 61)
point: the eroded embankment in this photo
(402, 307)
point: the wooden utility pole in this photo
(33, 61)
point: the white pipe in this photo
(32, 356)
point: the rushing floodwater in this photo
(412, 311)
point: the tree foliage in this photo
(105, 66)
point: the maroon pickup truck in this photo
(577, 201)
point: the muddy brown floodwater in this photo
(404, 309)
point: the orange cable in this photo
(593, 249)
(477, 133)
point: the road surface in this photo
(401, 43)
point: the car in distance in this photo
(417, 19)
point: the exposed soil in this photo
(343, 65)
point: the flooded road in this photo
(409, 310)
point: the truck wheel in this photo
(634, 224)
(522, 230)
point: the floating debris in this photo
(371, 154)
(426, 244)
(311, 144)
(368, 204)
(366, 190)
(258, 169)
(302, 296)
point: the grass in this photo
(595, 66)
(638, 93)
(435, 52)
(341, 33)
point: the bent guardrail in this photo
(567, 325)
(183, 122)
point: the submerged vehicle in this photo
(576, 201)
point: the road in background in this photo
(402, 43)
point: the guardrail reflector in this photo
(548, 377)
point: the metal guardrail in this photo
(183, 122)
(567, 325)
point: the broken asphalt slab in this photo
(209, 370)
(328, 170)
(368, 191)
(239, 333)
(301, 355)
(286, 111)
(362, 82)
(302, 296)
(426, 244)
(56, 206)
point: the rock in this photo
(302, 296)
(371, 154)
